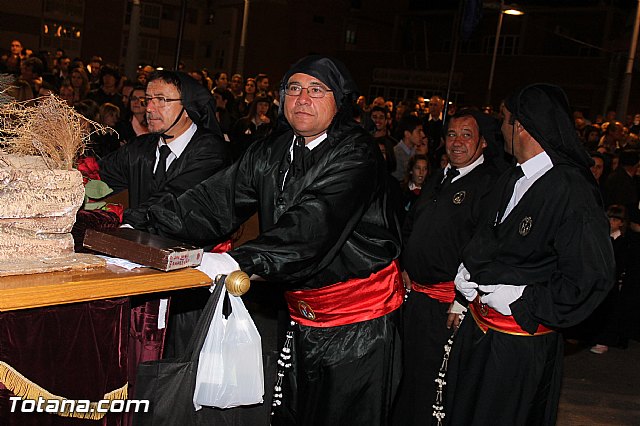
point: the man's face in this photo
(95, 68)
(463, 142)
(16, 48)
(414, 137)
(64, 63)
(222, 81)
(435, 106)
(160, 119)
(263, 85)
(236, 83)
(379, 119)
(309, 116)
(597, 168)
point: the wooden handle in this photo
(237, 283)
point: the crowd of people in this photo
(522, 252)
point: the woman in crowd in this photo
(417, 173)
(80, 84)
(134, 122)
(255, 125)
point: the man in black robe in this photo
(436, 230)
(181, 118)
(541, 260)
(327, 231)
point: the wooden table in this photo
(55, 288)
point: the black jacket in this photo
(131, 167)
(329, 225)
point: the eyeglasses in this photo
(159, 101)
(294, 89)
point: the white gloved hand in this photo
(463, 285)
(502, 296)
(214, 264)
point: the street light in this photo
(504, 10)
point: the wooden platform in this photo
(54, 288)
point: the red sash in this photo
(442, 292)
(348, 302)
(486, 317)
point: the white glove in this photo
(214, 264)
(463, 285)
(502, 296)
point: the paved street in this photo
(601, 389)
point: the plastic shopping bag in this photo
(230, 371)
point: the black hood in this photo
(199, 103)
(328, 70)
(543, 110)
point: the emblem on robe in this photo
(525, 226)
(306, 311)
(458, 197)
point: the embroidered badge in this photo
(525, 226)
(458, 197)
(306, 310)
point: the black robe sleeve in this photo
(329, 225)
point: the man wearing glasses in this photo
(184, 146)
(328, 234)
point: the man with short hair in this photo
(236, 86)
(436, 230)
(180, 117)
(11, 62)
(433, 123)
(410, 128)
(328, 235)
(540, 260)
(183, 148)
(262, 83)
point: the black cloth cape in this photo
(556, 241)
(131, 167)
(329, 225)
(436, 231)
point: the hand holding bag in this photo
(230, 370)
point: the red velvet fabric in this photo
(76, 351)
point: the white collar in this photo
(179, 143)
(466, 169)
(534, 165)
(314, 143)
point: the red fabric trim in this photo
(442, 292)
(223, 247)
(486, 317)
(348, 302)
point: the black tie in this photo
(451, 173)
(297, 166)
(161, 168)
(515, 175)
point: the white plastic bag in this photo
(230, 366)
